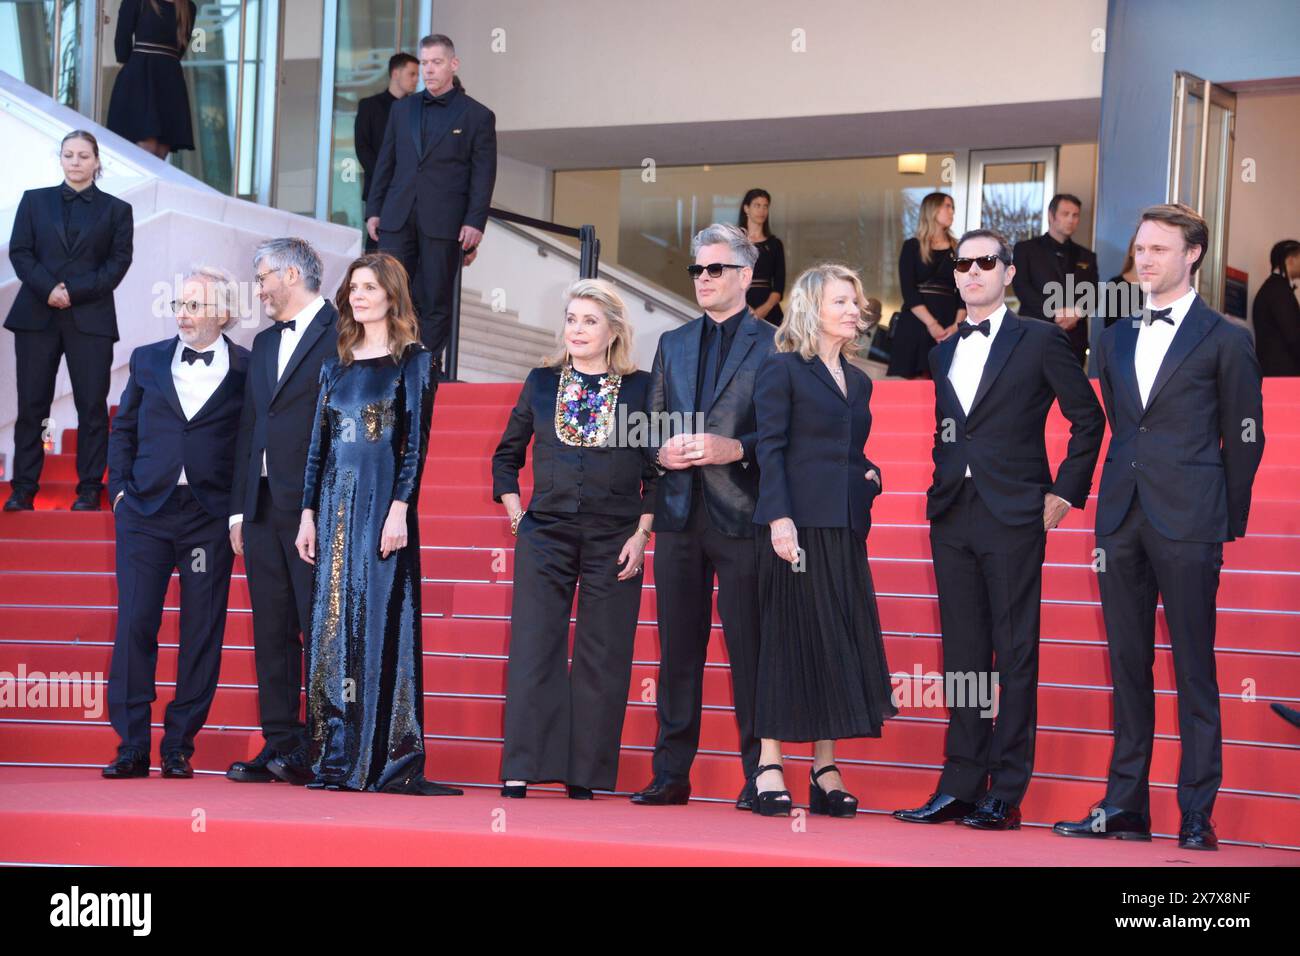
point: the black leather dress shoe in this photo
(253, 771)
(940, 808)
(177, 766)
(292, 767)
(993, 814)
(1197, 832)
(1106, 820)
(129, 763)
(579, 793)
(20, 502)
(87, 501)
(661, 793)
(746, 799)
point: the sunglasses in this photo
(714, 269)
(986, 263)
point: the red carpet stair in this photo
(57, 597)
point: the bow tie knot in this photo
(1158, 315)
(966, 328)
(291, 325)
(189, 356)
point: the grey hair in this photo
(225, 286)
(280, 254)
(744, 251)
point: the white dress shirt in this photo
(1153, 342)
(968, 361)
(195, 382)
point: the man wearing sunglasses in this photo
(704, 513)
(990, 506)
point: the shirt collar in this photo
(995, 321)
(303, 318)
(729, 324)
(1179, 307)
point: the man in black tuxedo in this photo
(433, 185)
(171, 459)
(703, 375)
(1183, 393)
(274, 435)
(1049, 266)
(372, 120)
(990, 507)
(71, 246)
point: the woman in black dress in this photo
(588, 521)
(768, 285)
(360, 527)
(150, 106)
(822, 674)
(931, 308)
(70, 248)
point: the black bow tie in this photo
(190, 356)
(430, 99)
(966, 328)
(1158, 315)
(291, 324)
(69, 194)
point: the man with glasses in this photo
(704, 514)
(990, 506)
(171, 458)
(274, 434)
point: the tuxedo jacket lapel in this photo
(822, 372)
(1195, 326)
(1126, 362)
(162, 366)
(54, 213)
(233, 380)
(1008, 335)
(305, 344)
(946, 350)
(739, 349)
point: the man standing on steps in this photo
(1055, 263)
(372, 120)
(704, 515)
(990, 507)
(433, 185)
(271, 458)
(1183, 392)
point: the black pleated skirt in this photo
(150, 101)
(822, 673)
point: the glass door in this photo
(40, 44)
(1009, 191)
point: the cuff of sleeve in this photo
(236, 519)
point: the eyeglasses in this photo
(986, 263)
(714, 269)
(192, 306)
(262, 275)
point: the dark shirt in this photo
(769, 277)
(727, 329)
(434, 119)
(76, 210)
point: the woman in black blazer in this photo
(70, 247)
(589, 518)
(822, 673)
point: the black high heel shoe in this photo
(837, 803)
(516, 792)
(580, 793)
(771, 803)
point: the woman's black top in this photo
(149, 99)
(769, 277)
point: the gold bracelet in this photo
(514, 523)
(644, 532)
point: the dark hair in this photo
(403, 326)
(750, 196)
(1195, 231)
(1004, 247)
(1280, 253)
(438, 39)
(89, 137)
(399, 60)
(1063, 197)
(184, 24)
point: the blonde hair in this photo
(224, 287)
(801, 329)
(925, 223)
(615, 311)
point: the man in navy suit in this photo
(1183, 392)
(990, 506)
(171, 457)
(432, 186)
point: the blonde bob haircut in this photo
(611, 305)
(801, 328)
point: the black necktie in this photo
(966, 328)
(291, 324)
(712, 356)
(190, 356)
(1158, 315)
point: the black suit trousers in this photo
(431, 265)
(90, 367)
(1141, 563)
(181, 535)
(685, 565)
(990, 578)
(566, 724)
(280, 590)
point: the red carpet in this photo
(57, 599)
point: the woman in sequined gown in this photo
(360, 527)
(586, 528)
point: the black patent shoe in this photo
(771, 803)
(580, 793)
(1107, 821)
(663, 793)
(836, 803)
(993, 814)
(87, 501)
(176, 766)
(19, 501)
(940, 808)
(516, 792)
(129, 763)
(253, 771)
(292, 767)
(1197, 832)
